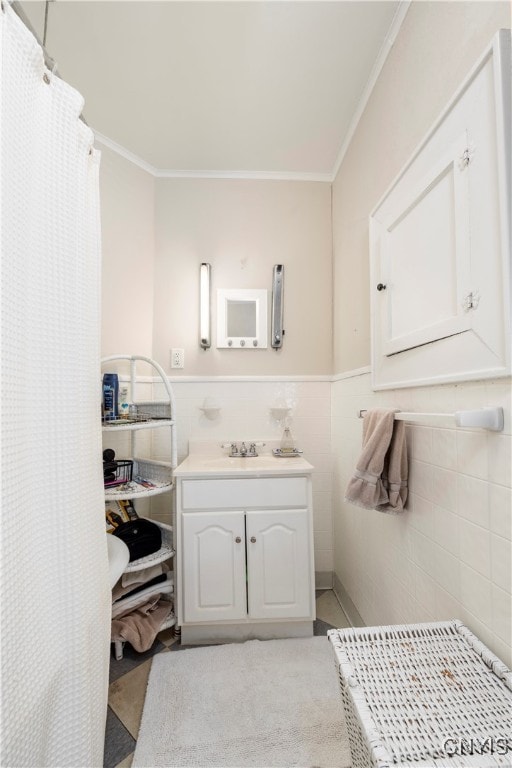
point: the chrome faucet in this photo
(243, 451)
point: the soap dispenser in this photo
(287, 443)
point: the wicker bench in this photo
(423, 695)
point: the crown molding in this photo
(384, 52)
(240, 175)
(120, 150)
(247, 175)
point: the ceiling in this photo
(234, 87)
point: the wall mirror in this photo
(241, 318)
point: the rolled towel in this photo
(380, 479)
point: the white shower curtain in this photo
(55, 596)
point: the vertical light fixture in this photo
(204, 306)
(277, 306)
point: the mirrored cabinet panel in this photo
(242, 318)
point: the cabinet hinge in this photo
(466, 157)
(471, 301)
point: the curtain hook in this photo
(50, 73)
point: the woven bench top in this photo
(415, 686)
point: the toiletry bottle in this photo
(287, 445)
(110, 396)
(124, 405)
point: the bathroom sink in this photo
(234, 466)
(118, 557)
(238, 462)
(241, 463)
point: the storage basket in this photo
(158, 473)
(150, 410)
(423, 695)
(148, 478)
(120, 474)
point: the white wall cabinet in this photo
(245, 571)
(440, 243)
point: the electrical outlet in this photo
(177, 358)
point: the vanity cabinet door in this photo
(278, 563)
(214, 566)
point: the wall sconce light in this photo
(204, 307)
(277, 306)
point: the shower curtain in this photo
(55, 595)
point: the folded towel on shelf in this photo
(139, 627)
(139, 577)
(380, 479)
(131, 592)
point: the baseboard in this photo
(346, 603)
(323, 579)
(204, 634)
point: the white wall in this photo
(437, 45)
(245, 415)
(448, 554)
(243, 228)
(150, 304)
(128, 244)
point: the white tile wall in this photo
(245, 415)
(449, 553)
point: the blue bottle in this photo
(110, 396)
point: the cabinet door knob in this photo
(253, 539)
(381, 287)
(238, 539)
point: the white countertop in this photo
(212, 461)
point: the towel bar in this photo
(483, 418)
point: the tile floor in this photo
(128, 680)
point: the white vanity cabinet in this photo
(245, 555)
(218, 550)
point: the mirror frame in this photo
(257, 295)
